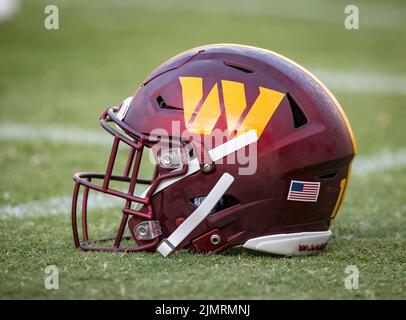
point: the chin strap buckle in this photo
(168, 245)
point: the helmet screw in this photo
(215, 239)
(141, 231)
(166, 160)
(207, 167)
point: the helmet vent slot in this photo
(226, 201)
(238, 67)
(328, 175)
(163, 105)
(299, 118)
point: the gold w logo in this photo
(201, 116)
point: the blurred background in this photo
(55, 83)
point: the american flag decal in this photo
(304, 191)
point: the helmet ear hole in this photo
(226, 201)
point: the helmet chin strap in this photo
(168, 245)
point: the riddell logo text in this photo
(312, 247)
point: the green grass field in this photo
(64, 79)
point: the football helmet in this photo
(247, 148)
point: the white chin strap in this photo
(168, 245)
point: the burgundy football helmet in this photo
(248, 149)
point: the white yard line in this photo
(385, 160)
(14, 131)
(55, 206)
(358, 82)
(363, 165)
